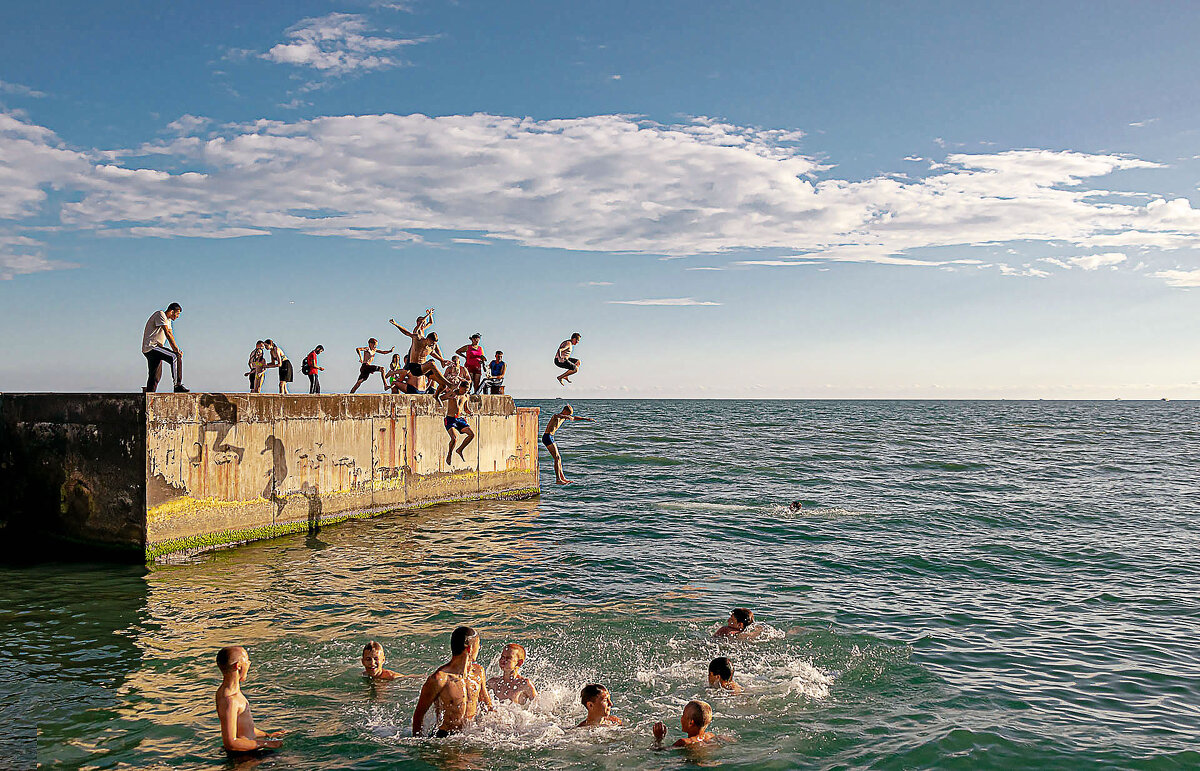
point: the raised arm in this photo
(403, 331)
(429, 693)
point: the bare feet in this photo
(563, 481)
(450, 458)
(460, 451)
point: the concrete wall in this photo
(178, 472)
(72, 465)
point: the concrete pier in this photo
(160, 474)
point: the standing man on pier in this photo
(154, 340)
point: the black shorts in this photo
(411, 389)
(366, 370)
(568, 364)
(285, 371)
(416, 369)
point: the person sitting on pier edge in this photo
(498, 367)
(158, 333)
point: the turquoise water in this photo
(970, 585)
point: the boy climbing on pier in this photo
(238, 733)
(456, 408)
(556, 420)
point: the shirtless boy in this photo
(419, 352)
(720, 675)
(697, 716)
(457, 687)
(456, 413)
(367, 365)
(373, 660)
(740, 625)
(563, 360)
(596, 700)
(556, 420)
(238, 733)
(512, 685)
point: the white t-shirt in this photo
(155, 335)
(564, 351)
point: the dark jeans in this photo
(314, 385)
(154, 361)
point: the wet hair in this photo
(744, 616)
(319, 349)
(590, 693)
(227, 657)
(372, 340)
(796, 506)
(519, 648)
(699, 712)
(174, 307)
(372, 646)
(459, 639)
(721, 667)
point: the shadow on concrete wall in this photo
(277, 474)
(227, 415)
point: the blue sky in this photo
(734, 199)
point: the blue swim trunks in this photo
(457, 423)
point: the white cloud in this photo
(21, 255)
(1024, 270)
(705, 267)
(671, 301)
(597, 283)
(478, 241)
(1096, 261)
(604, 183)
(1146, 122)
(186, 125)
(1180, 278)
(16, 89)
(336, 44)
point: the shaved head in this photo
(229, 656)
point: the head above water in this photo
(513, 654)
(796, 506)
(461, 638)
(743, 616)
(698, 713)
(721, 668)
(230, 656)
(591, 692)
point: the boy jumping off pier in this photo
(456, 409)
(556, 420)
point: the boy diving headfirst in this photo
(556, 420)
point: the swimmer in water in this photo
(556, 421)
(598, 703)
(740, 625)
(720, 675)
(238, 732)
(696, 718)
(796, 506)
(512, 685)
(373, 660)
(457, 687)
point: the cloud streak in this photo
(338, 43)
(674, 302)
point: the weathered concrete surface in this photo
(178, 472)
(71, 466)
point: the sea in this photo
(968, 585)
